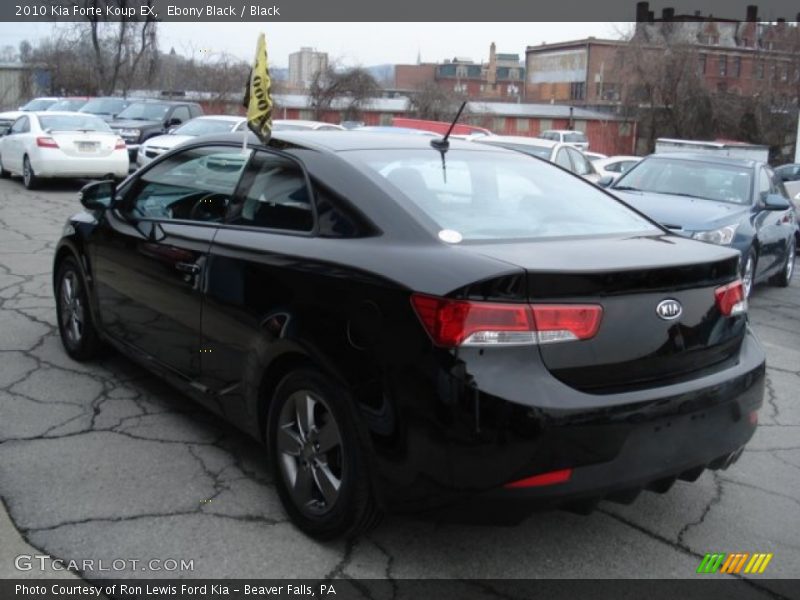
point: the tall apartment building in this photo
(304, 65)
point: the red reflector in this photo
(46, 142)
(543, 479)
(730, 298)
(450, 322)
(581, 320)
(753, 417)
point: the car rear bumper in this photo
(612, 451)
(59, 165)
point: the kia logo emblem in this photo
(669, 309)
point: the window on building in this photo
(499, 124)
(461, 71)
(723, 66)
(701, 64)
(523, 125)
(386, 119)
(306, 115)
(773, 71)
(736, 66)
(577, 90)
(513, 74)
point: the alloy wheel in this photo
(26, 172)
(790, 260)
(72, 316)
(309, 443)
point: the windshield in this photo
(485, 195)
(38, 104)
(540, 151)
(694, 178)
(73, 123)
(66, 105)
(104, 106)
(205, 126)
(145, 111)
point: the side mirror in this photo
(173, 122)
(605, 181)
(776, 202)
(4, 131)
(98, 195)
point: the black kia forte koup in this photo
(411, 326)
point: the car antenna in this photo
(442, 145)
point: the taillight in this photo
(730, 299)
(453, 323)
(46, 142)
(120, 145)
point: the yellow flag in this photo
(257, 98)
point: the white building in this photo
(303, 65)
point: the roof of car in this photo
(231, 118)
(707, 157)
(337, 141)
(61, 113)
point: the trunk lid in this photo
(635, 347)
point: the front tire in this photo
(75, 325)
(29, 178)
(784, 278)
(318, 457)
(3, 173)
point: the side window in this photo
(334, 219)
(196, 185)
(275, 195)
(764, 184)
(195, 110)
(181, 113)
(21, 125)
(582, 166)
(562, 159)
(625, 166)
(614, 167)
(777, 184)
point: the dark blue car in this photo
(726, 201)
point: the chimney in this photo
(650, 16)
(642, 9)
(491, 75)
(752, 13)
(667, 14)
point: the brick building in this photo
(501, 77)
(740, 57)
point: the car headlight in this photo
(722, 236)
(130, 132)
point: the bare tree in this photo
(120, 47)
(435, 103)
(353, 87)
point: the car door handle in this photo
(190, 268)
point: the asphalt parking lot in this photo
(103, 461)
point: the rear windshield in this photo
(66, 105)
(574, 137)
(73, 123)
(485, 195)
(696, 179)
(145, 111)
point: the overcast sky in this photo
(352, 43)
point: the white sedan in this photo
(61, 144)
(615, 166)
(207, 125)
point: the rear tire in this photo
(319, 458)
(75, 325)
(29, 178)
(784, 278)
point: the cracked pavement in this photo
(103, 461)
